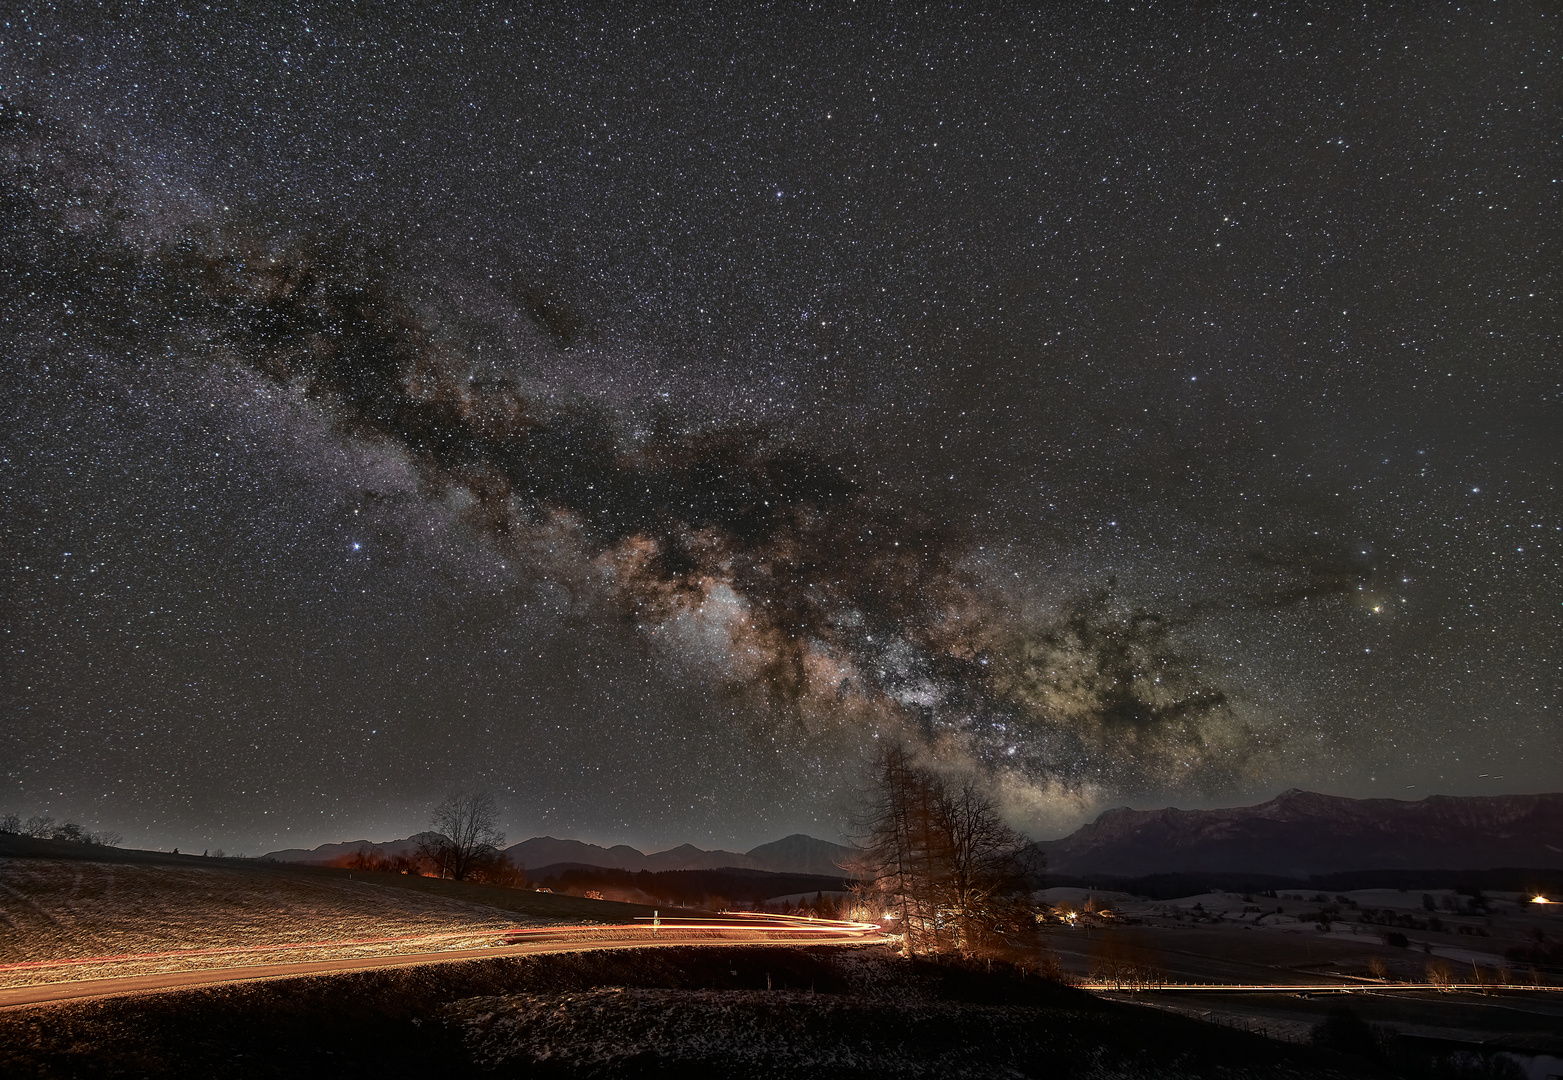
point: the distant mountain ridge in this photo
(1296, 834)
(796, 854)
(1299, 833)
(547, 851)
(327, 853)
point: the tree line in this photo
(44, 827)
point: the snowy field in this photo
(1302, 935)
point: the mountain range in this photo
(796, 854)
(329, 853)
(1295, 834)
(1299, 833)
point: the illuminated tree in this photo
(938, 859)
(983, 879)
(899, 862)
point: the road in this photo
(1338, 987)
(523, 941)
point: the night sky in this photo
(643, 416)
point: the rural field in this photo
(59, 916)
(1370, 934)
(1387, 955)
(71, 913)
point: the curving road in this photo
(733, 930)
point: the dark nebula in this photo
(641, 417)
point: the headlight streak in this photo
(743, 922)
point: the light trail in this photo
(757, 922)
(234, 950)
(733, 929)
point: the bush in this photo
(1346, 1032)
(1474, 1066)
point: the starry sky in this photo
(643, 415)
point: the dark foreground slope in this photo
(689, 1012)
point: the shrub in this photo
(1344, 1031)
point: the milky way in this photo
(641, 418)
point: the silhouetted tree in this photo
(467, 836)
(494, 867)
(44, 827)
(1125, 961)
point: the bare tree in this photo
(468, 835)
(899, 868)
(984, 879)
(939, 859)
(1125, 961)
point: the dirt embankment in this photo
(730, 1012)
